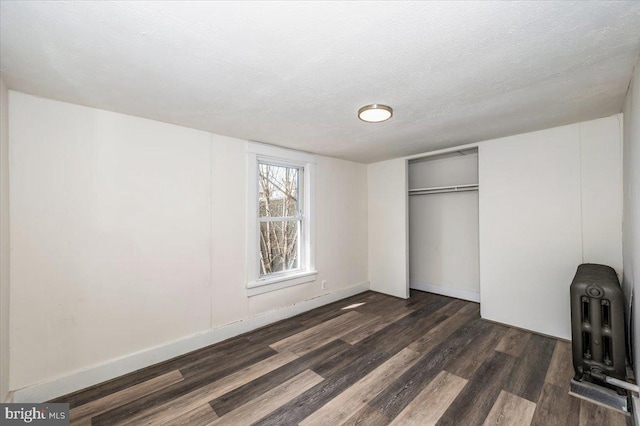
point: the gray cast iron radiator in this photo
(597, 324)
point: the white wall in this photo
(549, 201)
(443, 228)
(110, 228)
(128, 234)
(601, 178)
(388, 222)
(4, 241)
(631, 222)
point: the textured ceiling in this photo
(295, 74)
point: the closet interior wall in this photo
(443, 225)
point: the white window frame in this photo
(306, 272)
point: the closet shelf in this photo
(444, 189)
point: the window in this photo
(281, 217)
(280, 226)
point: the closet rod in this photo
(443, 189)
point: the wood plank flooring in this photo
(367, 360)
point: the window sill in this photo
(276, 283)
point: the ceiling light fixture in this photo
(375, 113)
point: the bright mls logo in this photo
(34, 414)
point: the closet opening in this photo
(444, 225)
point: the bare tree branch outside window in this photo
(280, 217)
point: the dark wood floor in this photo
(367, 360)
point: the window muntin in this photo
(281, 218)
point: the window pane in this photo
(278, 190)
(279, 246)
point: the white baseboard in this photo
(472, 296)
(130, 363)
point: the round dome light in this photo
(375, 113)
